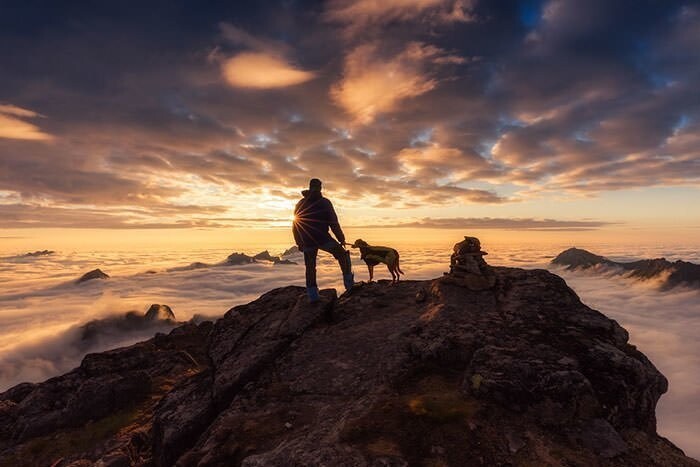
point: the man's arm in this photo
(334, 224)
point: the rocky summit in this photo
(420, 373)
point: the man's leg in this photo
(310, 264)
(343, 259)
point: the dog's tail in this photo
(398, 268)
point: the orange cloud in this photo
(260, 70)
(373, 84)
(445, 161)
(13, 127)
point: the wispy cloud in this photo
(262, 65)
(494, 223)
(374, 82)
(14, 126)
(359, 15)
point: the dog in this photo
(373, 255)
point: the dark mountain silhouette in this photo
(264, 256)
(291, 251)
(236, 258)
(156, 318)
(38, 253)
(92, 275)
(672, 274)
(509, 370)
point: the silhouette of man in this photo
(313, 215)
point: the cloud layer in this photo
(494, 223)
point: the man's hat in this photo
(315, 184)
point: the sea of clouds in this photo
(43, 309)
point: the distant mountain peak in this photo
(671, 274)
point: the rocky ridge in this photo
(671, 274)
(34, 254)
(236, 258)
(518, 372)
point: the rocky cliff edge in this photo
(416, 373)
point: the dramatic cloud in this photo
(262, 71)
(374, 83)
(401, 104)
(12, 125)
(262, 66)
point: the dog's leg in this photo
(393, 277)
(371, 272)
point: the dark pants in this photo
(331, 247)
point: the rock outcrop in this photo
(235, 259)
(292, 250)
(156, 318)
(416, 373)
(264, 256)
(671, 274)
(283, 261)
(92, 275)
(158, 312)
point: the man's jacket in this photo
(313, 215)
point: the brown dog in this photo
(373, 255)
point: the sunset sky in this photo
(568, 116)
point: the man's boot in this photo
(348, 280)
(312, 293)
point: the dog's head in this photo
(359, 243)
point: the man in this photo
(313, 215)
